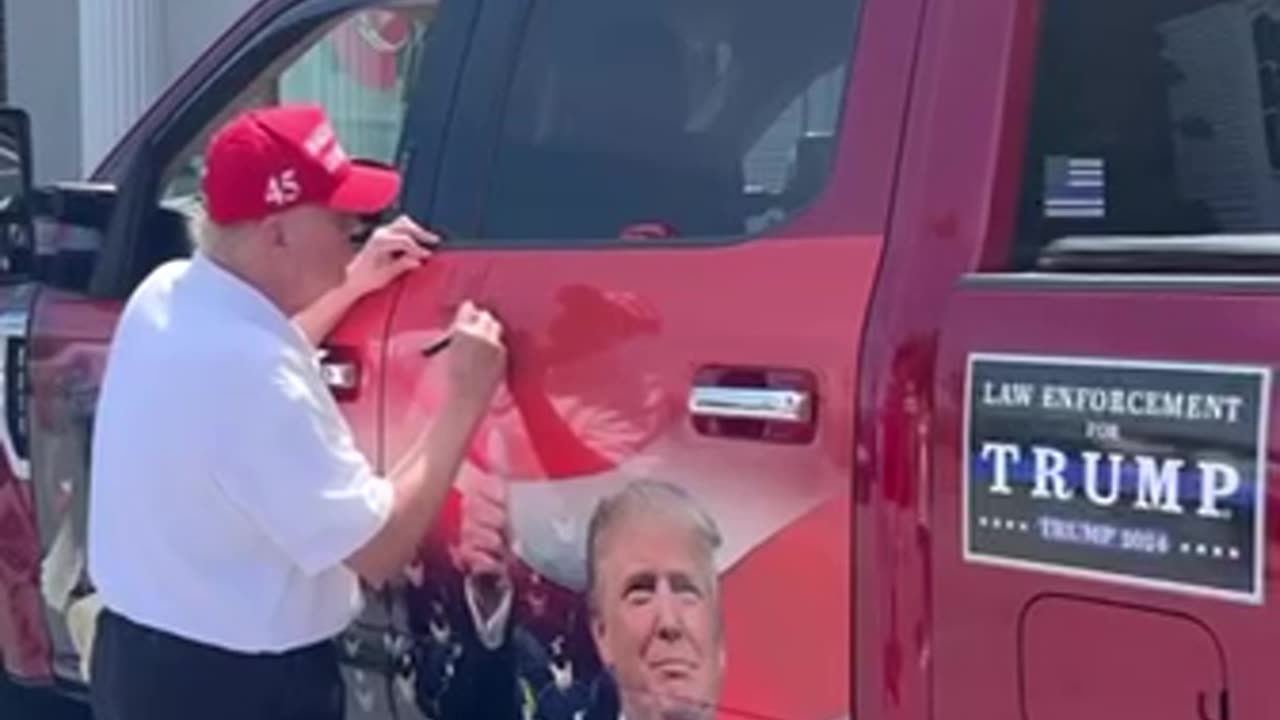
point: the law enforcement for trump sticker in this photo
(1142, 473)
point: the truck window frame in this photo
(1016, 248)
(119, 268)
(481, 115)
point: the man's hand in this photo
(477, 363)
(483, 548)
(477, 357)
(392, 249)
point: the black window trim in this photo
(446, 202)
(1224, 260)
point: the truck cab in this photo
(951, 315)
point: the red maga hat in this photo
(271, 159)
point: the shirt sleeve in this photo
(289, 461)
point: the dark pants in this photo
(144, 674)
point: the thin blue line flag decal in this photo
(1075, 188)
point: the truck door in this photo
(372, 64)
(1104, 430)
(680, 226)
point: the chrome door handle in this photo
(339, 370)
(339, 375)
(789, 406)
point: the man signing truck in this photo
(231, 514)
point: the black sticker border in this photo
(1261, 373)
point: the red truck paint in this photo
(850, 594)
(22, 630)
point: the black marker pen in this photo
(437, 345)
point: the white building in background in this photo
(86, 69)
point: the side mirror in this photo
(15, 165)
(15, 189)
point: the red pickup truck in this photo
(955, 316)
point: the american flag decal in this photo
(1075, 187)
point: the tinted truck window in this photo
(1153, 117)
(669, 118)
(359, 67)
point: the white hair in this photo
(652, 497)
(209, 237)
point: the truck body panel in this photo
(954, 315)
